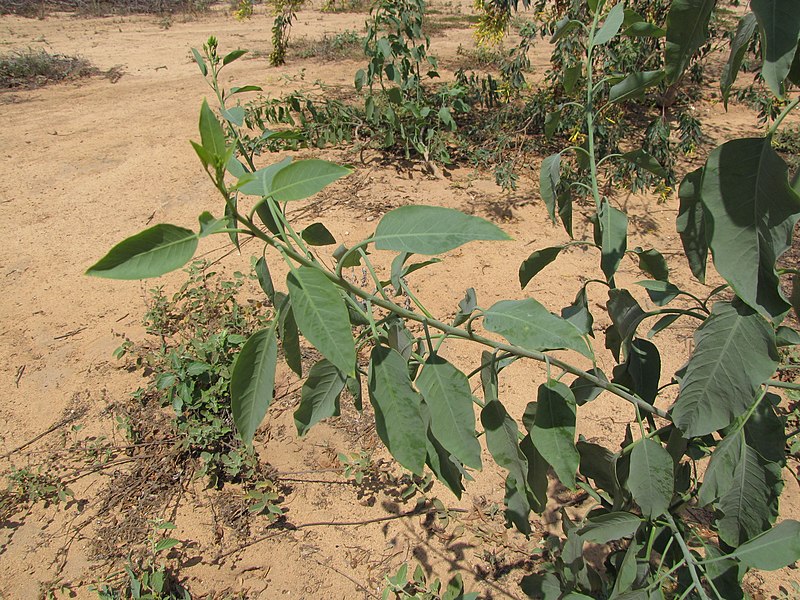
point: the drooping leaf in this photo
(304, 178)
(734, 354)
(634, 85)
(611, 25)
(265, 279)
(150, 253)
(585, 390)
(198, 58)
(744, 33)
(691, 225)
(646, 161)
(651, 477)
(571, 76)
(465, 308)
(440, 462)
(563, 27)
(786, 336)
(528, 324)
(518, 506)
(774, 549)
(653, 263)
(232, 56)
(660, 292)
(551, 122)
(625, 313)
(598, 463)
(351, 259)
(750, 211)
(687, 31)
(564, 202)
(609, 526)
(447, 393)
(537, 261)
(431, 230)
(537, 475)
(578, 313)
(253, 381)
(321, 315)
(549, 178)
(398, 414)
(317, 234)
(489, 382)
(614, 237)
(288, 334)
(319, 398)
(553, 432)
(209, 225)
(779, 21)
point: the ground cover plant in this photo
(718, 410)
(28, 68)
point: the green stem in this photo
(590, 109)
(787, 385)
(687, 555)
(782, 116)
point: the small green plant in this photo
(285, 12)
(242, 9)
(266, 500)
(26, 486)
(400, 587)
(343, 45)
(356, 465)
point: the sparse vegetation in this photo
(33, 68)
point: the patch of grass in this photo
(40, 8)
(341, 46)
(33, 68)
(441, 22)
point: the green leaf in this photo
(431, 230)
(447, 393)
(549, 178)
(287, 331)
(687, 31)
(641, 371)
(200, 62)
(232, 56)
(645, 161)
(734, 354)
(786, 336)
(465, 308)
(351, 259)
(744, 33)
(398, 416)
(211, 134)
(537, 474)
(774, 549)
(634, 85)
(265, 279)
(553, 432)
(551, 122)
(586, 391)
(691, 225)
(563, 27)
(571, 76)
(165, 544)
(750, 212)
(537, 261)
(321, 315)
(244, 88)
(489, 382)
(528, 324)
(317, 234)
(253, 381)
(441, 463)
(578, 313)
(660, 292)
(598, 463)
(304, 178)
(319, 398)
(234, 115)
(614, 237)
(150, 253)
(651, 477)
(653, 263)
(779, 21)
(209, 225)
(625, 313)
(609, 526)
(611, 26)
(259, 183)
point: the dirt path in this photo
(86, 164)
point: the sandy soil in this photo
(86, 164)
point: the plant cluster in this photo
(719, 410)
(40, 8)
(401, 587)
(29, 68)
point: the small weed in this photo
(266, 498)
(356, 465)
(32, 68)
(400, 587)
(26, 487)
(341, 46)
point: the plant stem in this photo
(687, 555)
(590, 109)
(782, 116)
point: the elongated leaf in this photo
(779, 21)
(585, 390)
(553, 432)
(304, 178)
(598, 463)
(150, 253)
(244, 88)
(319, 398)
(489, 381)
(287, 331)
(232, 56)
(564, 202)
(447, 393)
(611, 25)
(625, 313)
(578, 313)
(563, 27)
(537, 261)
(774, 549)
(734, 354)
(549, 178)
(645, 161)
(653, 263)
(198, 58)
(751, 210)
(502, 441)
(691, 225)
(614, 237)
(431, 230)
(634, 85)
(651, 477)
(687, 31)
(744, 33)
(211, 134)
(660, 292)
(440, 462)
(321, 315)
(530, 325)
(610, 526)
(537, 475)
(253, 381)
(265, 279)
(398, 413)
(260, 182)
(465, 308)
